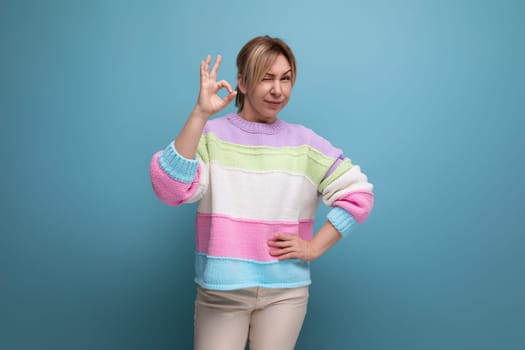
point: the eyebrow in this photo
(273, 75)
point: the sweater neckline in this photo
(255, 127)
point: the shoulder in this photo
(215, 124)
(307, 136)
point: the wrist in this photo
(199, 114)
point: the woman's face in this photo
(265, 100)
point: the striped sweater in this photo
(254, 180)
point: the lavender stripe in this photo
(281, 135)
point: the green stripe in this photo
(340, 170)
(303, 160)
(202, 150)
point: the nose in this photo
(276, 87)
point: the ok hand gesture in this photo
(209, 101)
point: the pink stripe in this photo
(169, 190)
(358, 203)
(219, 235)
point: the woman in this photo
(259, 181)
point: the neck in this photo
(256, 119)
(256, 127)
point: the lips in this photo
(274, 103)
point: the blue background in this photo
(427, 96)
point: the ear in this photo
(240, 84)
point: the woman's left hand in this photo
(291, 247)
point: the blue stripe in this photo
(176, 166)
(342, 220)
(226, 274)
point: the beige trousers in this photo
(270, 318)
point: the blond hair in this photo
(255, 59)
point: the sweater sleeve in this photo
(347, 190)
(177, 180)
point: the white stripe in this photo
(275, 196)
(203, 183)
(352, 180)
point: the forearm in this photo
(187, 141)
(324, 239)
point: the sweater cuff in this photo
(342, 220)
(176, 166)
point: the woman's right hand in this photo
(208, 104)
(209, 101)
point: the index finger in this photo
(283, 236)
